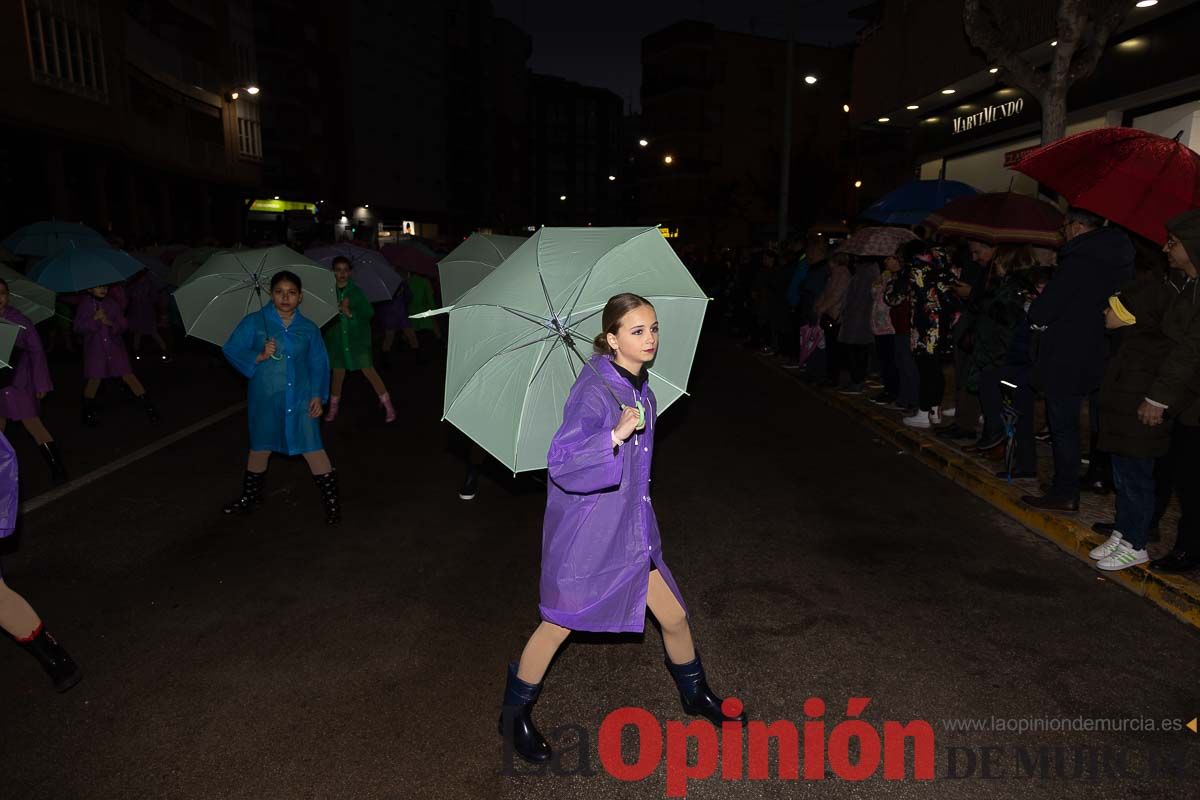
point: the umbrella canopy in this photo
(1134, 178)
(31, 299)
(8, 340)
(411, 258)
(185, 263)
(43, 239)
(472, 261)
(373, 273)
(77, 268)
(233, 283)
(877, 241)
(999, 218)
(153, 264)
(520, 337)
(916, 200)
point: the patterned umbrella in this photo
(1000, 217)
(877, 242)
(1134, 178)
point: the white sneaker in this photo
(918, 420)
(936, 414)
(949, 412)
(1123, 557)
(1105, 550)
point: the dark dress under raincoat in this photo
(280, 389)
(600, 536)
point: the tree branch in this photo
(1106, 17)
(985, 34)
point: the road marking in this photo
(29, 506)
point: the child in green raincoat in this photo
(348, 341)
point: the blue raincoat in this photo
(280, 390)
(600, 535)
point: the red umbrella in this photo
(409, 258)
(1135, 178)
(999, 218)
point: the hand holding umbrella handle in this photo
(627, 424)
(268, 351)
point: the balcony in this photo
(158, 57)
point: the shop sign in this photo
(988, 114)
(669, 233)
(1013, 156)
(277, 206)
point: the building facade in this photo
(121, 116)
(713, 116)
(969, 124)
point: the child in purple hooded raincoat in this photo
(602, 564)
(100, 320)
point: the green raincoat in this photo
(348, 338)
(422, 300)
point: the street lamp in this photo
(562, 197)
(858, 184)
(810, 79)
(612, 177)
(668, 159)
(250, 90)
(643, 142)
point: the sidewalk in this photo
(1177, 594)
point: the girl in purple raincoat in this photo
(602, 564)
(146, 292)
(26, 384)
(100, 320)
(17, 617)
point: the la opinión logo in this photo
(853, 750)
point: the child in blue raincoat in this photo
(282, 353)
(602, 564)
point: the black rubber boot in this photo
(148, 407)
(694, 694)
(58, 473)
(252, 493)
(63, 671)
(516, 719)
(90, 414)
(327, 485)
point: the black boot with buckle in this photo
(327, 485)
(252, 493)
(694, 694)
(62, 669)
(58, 473)
(516, 719)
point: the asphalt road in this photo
(270, 657)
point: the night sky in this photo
(600, 44)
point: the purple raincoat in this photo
(31, 374)
(145, 295)
(8, 489)
(104, 353)
(600, 535)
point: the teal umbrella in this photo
(31, 299)
(234, 283)
(8, 340)
(43, 239)
(74, 269)
(520, 337)
(472, 261)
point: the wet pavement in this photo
(271, 657)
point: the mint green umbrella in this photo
(233, 283)
(520, 337)
(31, 299)
(8, 340)
(472, 261)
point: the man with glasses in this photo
(1072, 349)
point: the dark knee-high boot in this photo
(328, 486)
(694, 694)
(58, 473)
(148, 407)
(516, 719)
(62, 669)
(90, 413)
(252, 493)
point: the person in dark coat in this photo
(1069, 363)
(1176, 387)
(1132, 444)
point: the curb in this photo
(1177, 595)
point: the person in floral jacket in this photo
(927, 283)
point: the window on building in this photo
(65, 47)
(249, 129)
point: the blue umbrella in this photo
(916, 200)
(43, 239)
(77, 268)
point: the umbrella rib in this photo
(546, 292)
(541, 323)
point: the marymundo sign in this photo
(988, 115)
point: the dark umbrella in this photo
(1000, 218)
(916, 200)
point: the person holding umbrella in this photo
(283, 355)
(17, 617)
(602, 564)
(100, 321)
(28, 382)
(348, 341)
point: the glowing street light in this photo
(994, 70)
(810, 79)
(668, 159)
(612, 177)
(643, 142)
(846, 107)
(858, 184)
(885, 119)
(562, 197)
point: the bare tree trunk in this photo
(1054, 113)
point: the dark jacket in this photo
(1177, 382)
(999, 310)
(1071, 351)
(1132, 371)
